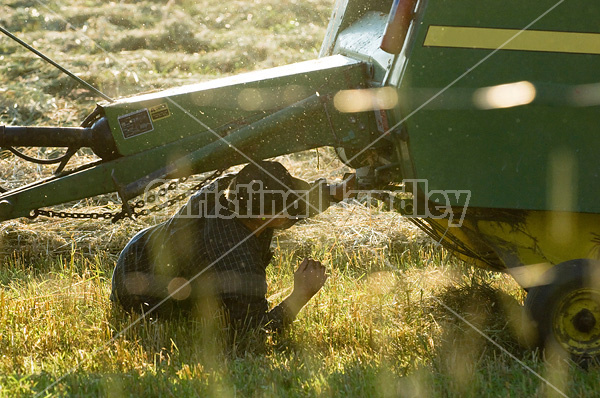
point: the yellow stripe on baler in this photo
(513, 39)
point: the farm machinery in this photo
(485, 111)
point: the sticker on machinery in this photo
(160, 111)
(135, 123)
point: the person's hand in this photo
(309, 278)
(346, 189)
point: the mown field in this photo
(399, 316)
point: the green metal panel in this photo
(221, 104)
(506, 157)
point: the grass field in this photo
(386, 323)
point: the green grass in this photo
(372, 331)
(380, 326)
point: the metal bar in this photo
(137, 169)
(298, 127)
(46, 136)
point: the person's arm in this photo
(317, 196)
(236, 262)
(309, 278)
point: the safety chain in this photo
(118, 215)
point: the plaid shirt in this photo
(219, 256)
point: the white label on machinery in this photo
(136, 123)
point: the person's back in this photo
(208, 253)
(201, 251)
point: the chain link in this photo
(117, 215)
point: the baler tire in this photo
(566, 310)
